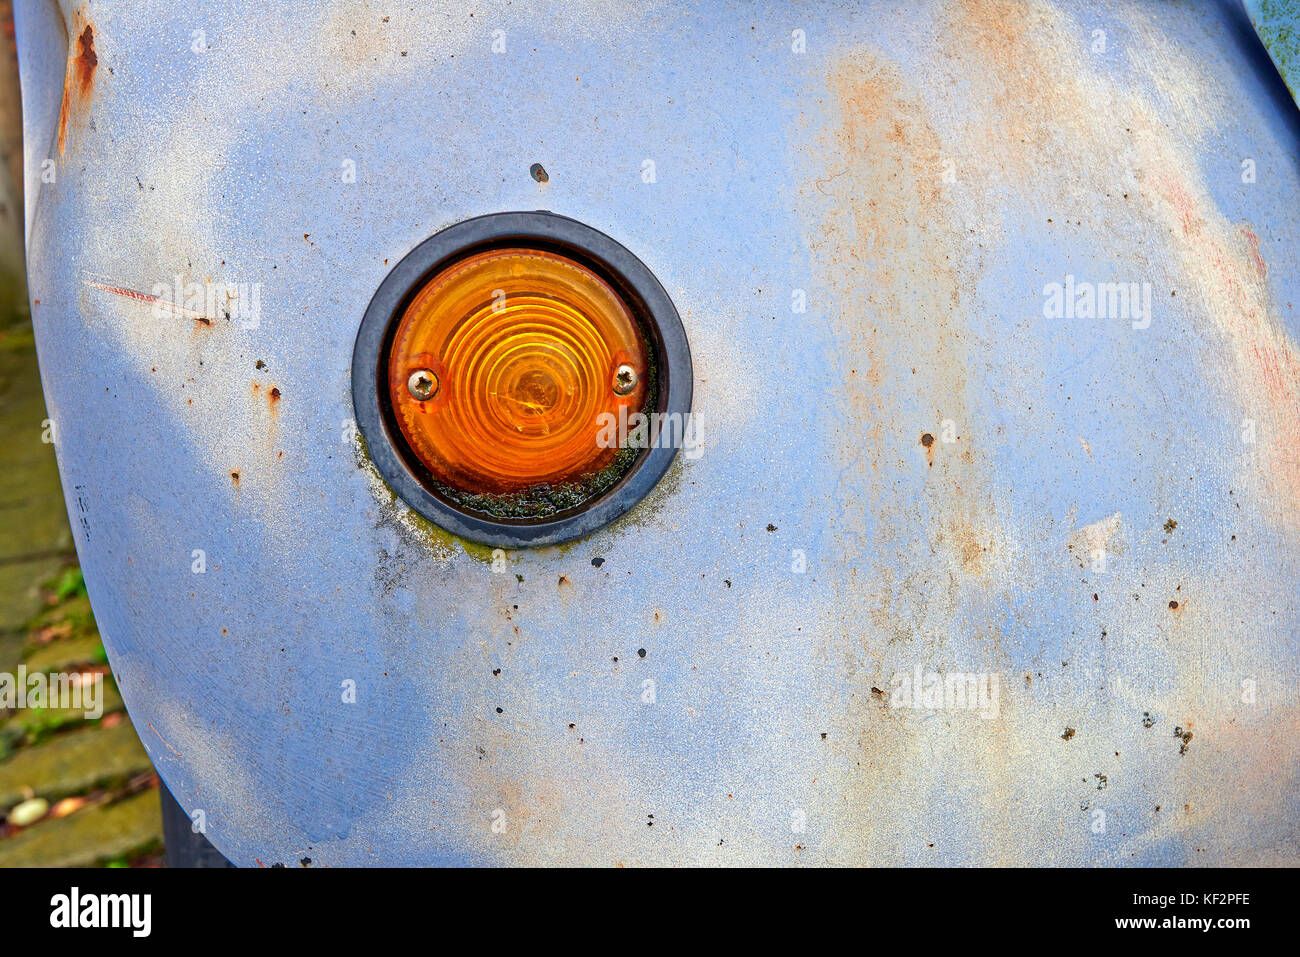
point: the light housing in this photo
(488, 362)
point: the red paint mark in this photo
(1279, 371)
(1260, 266)
(1267, 365)
(176, 309)
(1182, 204)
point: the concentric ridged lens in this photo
(503, 368)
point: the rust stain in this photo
(78, 81)
(897, 258)
(165, 744)
(901, 256)
(534, 807)
(1013, 55)
(273, 396)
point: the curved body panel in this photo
(995, 362)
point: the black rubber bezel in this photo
(617, 265)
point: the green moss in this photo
(31, 726)
(63, 654)
(72, 615)
(15, 314)
(73, 763)
(431, 534)
(70, 584)
(18, 339)
(544, 501)
(1276, 23)
(436, 534)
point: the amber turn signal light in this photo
(503, 366)
(521, 379)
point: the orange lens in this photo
(504, 366)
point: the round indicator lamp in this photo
(521, 379)
(506, 365)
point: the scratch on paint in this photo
(165, 744)
(157, 301)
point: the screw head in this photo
(624, 380)
(423, 384)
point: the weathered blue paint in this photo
(921, 172)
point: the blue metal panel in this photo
(1104, 517)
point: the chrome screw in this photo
(423, 384)
(624, 380)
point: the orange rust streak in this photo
(165, 744)
(86, 60)
(78, 80)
